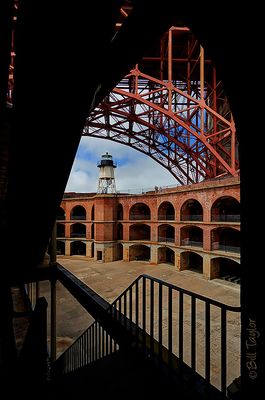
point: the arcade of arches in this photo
(194, 227)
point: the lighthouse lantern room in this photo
(106, 182)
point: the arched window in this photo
(191, 236)
(225, 209)
(139, 252)
(166, 211)
(139, 232)
(191, 210)
(78, 212)
(140, 211)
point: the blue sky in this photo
(134, 169)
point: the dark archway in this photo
(139, 252)
(78, 213)
(166, 211)
(226, 209)
(226, 269)
(140, 211)
(139, 232)
(191, 210)
(166, 255)
(78, 248)
(60, 247)
(192, 261)
(191, 236)
(78, 230)
(226, 239)
(166, 233)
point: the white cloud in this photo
(134, 169)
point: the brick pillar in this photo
(126, 232)
(88, 249)
(125, 252)
(177, 235)
(207, 238)
(153, 255)
(67, 248)
(207, 266)
(153, 233)
(67, 230)
(177, 260)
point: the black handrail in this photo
(145, 310)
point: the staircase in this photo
(131, 350)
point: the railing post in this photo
(53, 245)
(53, 320)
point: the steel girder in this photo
(176, 128)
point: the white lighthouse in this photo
(106, 182)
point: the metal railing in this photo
(225, 248)
(166, 239)
(226, 218)
(192, 243)
(190, 326)
(179, 327)
(78, 217)
(195, 217)
(77, 235)
(166, 217)
(93, 344)
(138, 217)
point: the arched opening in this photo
(60, 247)
(191, 210)
(92, 250)
(93, 213)
(227, 269)
(119, 251)
(166, 233)
(140, 211)
(78, 248)
(226, 239)
(139, 232)
(60, 214)
(166, 211)
(226, 209)
(78, 230)
(120, 212)
(119, 231)
(191, 236)
(139, 252)
(92, 231)
(166, 255)
(192, 261)
(60, 230)
(78, 213)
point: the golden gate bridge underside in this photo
(172, 107)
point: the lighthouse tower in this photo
(106, 182)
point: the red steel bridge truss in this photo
(172, 107)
